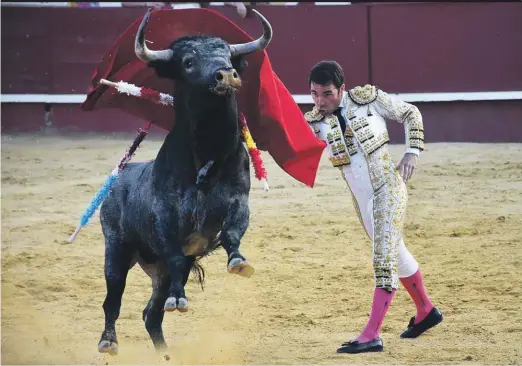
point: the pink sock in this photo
(415, 288)
(380, 305)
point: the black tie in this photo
(341, 119)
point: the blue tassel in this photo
(105, 189)
(98, 199)
(95, 203)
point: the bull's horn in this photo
(140, 48)
(258, 44)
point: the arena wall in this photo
(402, 48)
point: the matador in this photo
(353, 125)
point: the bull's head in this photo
(203, 61)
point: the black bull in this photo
(168, 213)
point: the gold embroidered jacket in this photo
(365, 109)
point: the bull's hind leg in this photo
(234, 227)
(117, 264)
(153, 313)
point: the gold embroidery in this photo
(365, 135)
(360, 123)
(416, 138)
(332, 120)
(363, 95)
(339, 153)
(406, 113)
(416, 134)
(329, 137)
(417, 144)
(373, 144)
(338, 148)
(350, 144)
(348, 133)
(349, 114)
(313, 115)
(414, 128)
(352, 149)
(338, 161)
(336, 134)
(381, 169)
(389, 209)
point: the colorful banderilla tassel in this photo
(141, 92)
(106, 187)
(255, 154)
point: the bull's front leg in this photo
(177, 264)
(171, 250)
(234, 227)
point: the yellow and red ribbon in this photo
(255, 154)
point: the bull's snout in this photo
(228, 78)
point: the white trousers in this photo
(358, 178)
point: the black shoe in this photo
(375, 345)
(414, 330)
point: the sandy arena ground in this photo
(312, 289)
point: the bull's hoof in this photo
(108, 347)
(240, 267)
(173, 304)
(182, 305)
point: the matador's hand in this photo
(407, 165)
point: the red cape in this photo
(276, 123)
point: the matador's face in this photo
(327, 98)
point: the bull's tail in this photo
(199, 272)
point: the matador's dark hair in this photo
(326, 72)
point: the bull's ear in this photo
(239, 63)
(165, 69)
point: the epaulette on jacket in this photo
(313, 116)
(363, 95)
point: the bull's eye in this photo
(187, 64)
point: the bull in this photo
(168, 213)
